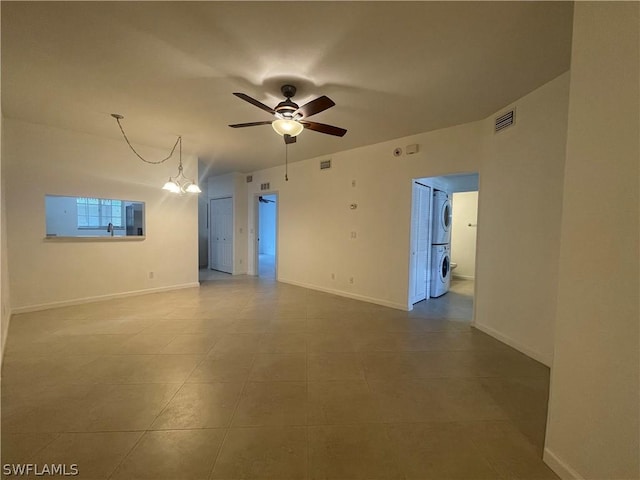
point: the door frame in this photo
(256, 229)
(413, 234)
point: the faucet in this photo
(110, 228)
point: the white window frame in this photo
(104, 218)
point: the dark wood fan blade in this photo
(255, 102)
(318, 105)
(250, 124)
(288, 139)
(322, 128)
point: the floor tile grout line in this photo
(233, 414)
(306, 413)
(126, 456)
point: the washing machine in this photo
(441, 231)
(440, 270)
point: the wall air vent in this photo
(505, 120)
(249, 178)
(265, 186)
(325, 164)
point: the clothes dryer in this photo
(441, 231)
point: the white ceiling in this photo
(393, 68)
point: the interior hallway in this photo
(247, 378)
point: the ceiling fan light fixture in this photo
(287, 127)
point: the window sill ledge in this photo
(94, 238)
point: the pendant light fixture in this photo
(179, 184)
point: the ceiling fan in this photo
(290, 118)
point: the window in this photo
(99, 212)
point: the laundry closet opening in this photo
(444, 223)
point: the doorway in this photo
(267, 235)
(443, 245)
(221, 236)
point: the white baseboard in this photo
(463, 277)
(100, 298)
(342, 293)
(562, 469)
(515, 344)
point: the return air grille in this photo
(324, 164)
(505, 120)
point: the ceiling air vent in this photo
(265, 186)
(325, 164)
(505, 120)
(249, 178)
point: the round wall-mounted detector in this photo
(397, 152)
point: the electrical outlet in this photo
(333, 276)
(353, 183)
(351, 280)
(151, 275)
(240, 261)
(354, 235)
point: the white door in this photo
(420, 221)
(221, 234)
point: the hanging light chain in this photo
(286, 162)
(179, 140)
(180, 183)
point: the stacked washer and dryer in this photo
(440, 244)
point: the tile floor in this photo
(248, 378)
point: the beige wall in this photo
(40, 160)
(463, 237)
(240, 207)
(593, 424)
(5, 299)
(519, 214)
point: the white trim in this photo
(559, 466)
(515, 344)
(342, 293)
(100, 298)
